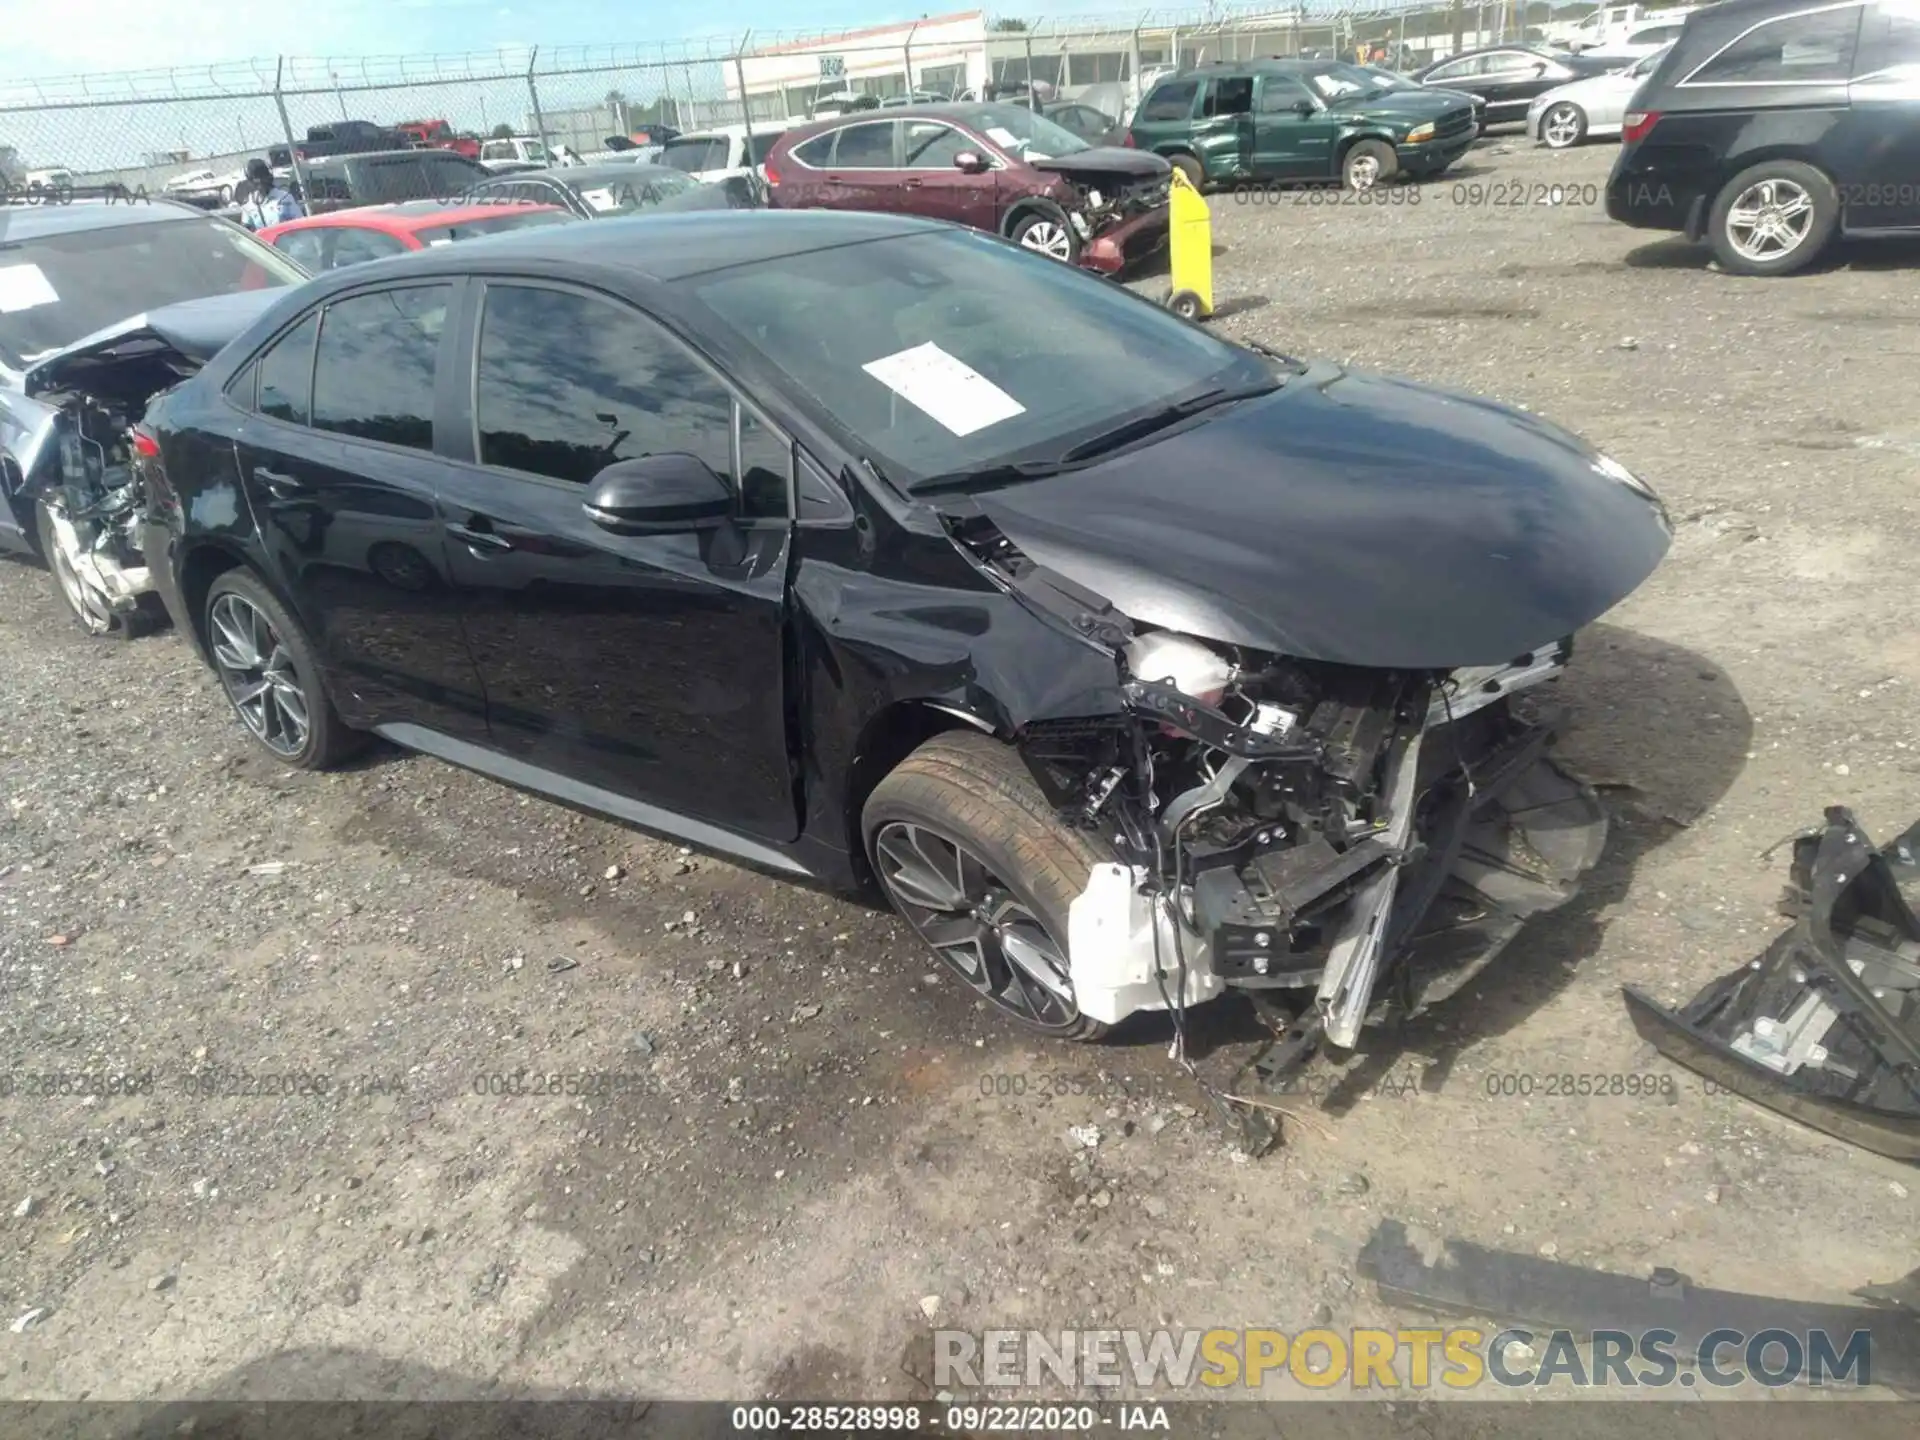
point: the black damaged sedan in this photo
(1133, 666)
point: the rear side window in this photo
(1807, 48)
(286, 374)
(865, 147)
(373, 378)
(1170, 100)
(1232, 95)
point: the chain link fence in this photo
(192, 131)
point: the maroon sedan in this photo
(999, 168)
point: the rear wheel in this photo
(1051, 235)
(267, 666)
(1563, 126)
(1773, 218)
(976, 862)
(1189, 169)
(1367, 164)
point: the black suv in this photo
(387, 177)
(1772, 125)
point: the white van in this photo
(1612, 23)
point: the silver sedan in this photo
(1589, 109)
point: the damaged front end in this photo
(1824, 1027)
(1337, 842)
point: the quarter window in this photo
(373, 379)
(1813, 47)
(286, 374)
(567, 384)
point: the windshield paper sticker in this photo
(1000, 135)
(951, 391)
(22, 287)
(600, 199)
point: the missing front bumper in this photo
(1824, 1027)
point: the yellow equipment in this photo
(1189, 251)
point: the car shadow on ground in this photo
(1657, 763)
(1676, 252)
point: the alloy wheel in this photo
(1562, 126)
(975, 923)
(257, 669)
(1049, 237)
(1770, 219)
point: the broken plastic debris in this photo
(268, 867)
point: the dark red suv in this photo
(999, 168)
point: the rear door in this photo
(1223, 134)
(338, 465)
(1292, 131)
(1509, 81)
(1884, 120)
(933, 186)
(652, 667)
(863, 171)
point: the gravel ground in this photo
(798, 1151)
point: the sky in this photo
(52, 38)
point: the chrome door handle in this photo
(480, 539)
(279, 484)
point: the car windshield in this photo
(1343, 82)
(1023, 133)
(56, 289)
(619, 194)
(942, 353)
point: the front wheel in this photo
(1563, 126)
(1367, 164)
(1773, 218)
(974, 860)
(1049, 235)
(1189, 169)
(61, 546)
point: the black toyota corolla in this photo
(1132, 665)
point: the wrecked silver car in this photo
(101, 308)
(1134, 665)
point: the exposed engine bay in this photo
(71, 465)
(1338, 843)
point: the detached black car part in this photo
(1825, 1026)
(1462, 1278)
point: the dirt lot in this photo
(801, 1142)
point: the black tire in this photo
(328, 741)
(1063, 243)
(1573, 128)
(1368, 163)
(1185, 304)
(970, 790)
(1189, 168)
(1813, 184)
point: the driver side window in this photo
(932, 146)
(1280, 94)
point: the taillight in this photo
(1637, 123)
(772, 175)
(1126, 140)
(145, 446)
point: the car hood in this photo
(1355, 519)
(1405, 106)
(1106, 160)
(195, 329)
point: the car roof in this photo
(732, 132)
(323, 161)
(1543, 51)
(637, 171)
(29, 222)
(663, 248)
(404, 217)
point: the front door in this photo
(650, 666)
(1292, 131)
(337, 459)
(934, 186)
(1511, 79)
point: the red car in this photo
(999, 168)
(373, 232)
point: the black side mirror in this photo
(970, 162)
(658, 495)
(1304, 107)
